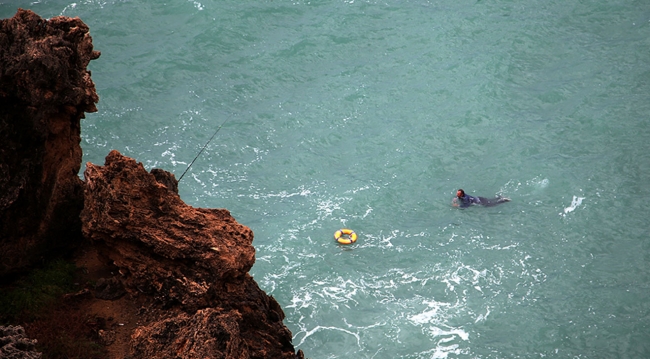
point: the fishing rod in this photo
(204, 146)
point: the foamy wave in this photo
(300, 191)
(308, 333)
(575, 202)
(429, 315)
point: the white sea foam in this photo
(534, 184)
(442, 337)
(437, 332)
(482, 317)
(429, 315)
(300, 191)
(575, 202)
(309, 333)
(198, 5)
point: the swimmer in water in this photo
(464, 200)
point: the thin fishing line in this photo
(204, 146)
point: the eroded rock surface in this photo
(192, 262)
(45, 89)
(15, 345)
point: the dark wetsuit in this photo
(468, 200)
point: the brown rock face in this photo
(44, 91)
(185, 268)
(192, 262)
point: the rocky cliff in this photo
(45, 89)
(190, 263)
(178, 273)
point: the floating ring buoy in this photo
(345, 236)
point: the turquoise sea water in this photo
(369, 115)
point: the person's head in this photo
(460, 193)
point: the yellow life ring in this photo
(349, 238)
